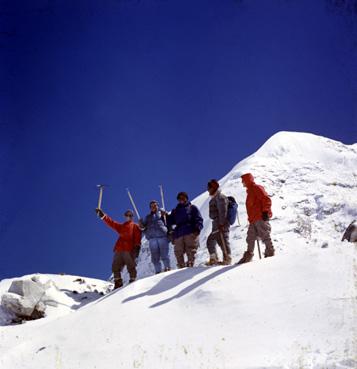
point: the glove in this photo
(141, 224)
(265, 216)
(99, 213)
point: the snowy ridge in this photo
(295, 310)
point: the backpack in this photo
(232, 210)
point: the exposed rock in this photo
(351, 232)
(27, 288)
(80, 280)
(22, 307)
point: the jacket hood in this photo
(248, 178)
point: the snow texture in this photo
(296, 310)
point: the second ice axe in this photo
(133, 203)
(100, 199)
(163, 202)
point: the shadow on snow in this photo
(170, 281)
(175, 279)
(196, 284)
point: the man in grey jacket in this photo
(218, 208)
(155, 231)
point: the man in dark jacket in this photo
(126, 248)
(155, 231)
(258, 206)
(189, 223)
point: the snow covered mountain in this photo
(295, 310)
(313, 184)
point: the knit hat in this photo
(182, 194)
(154, 202)
(213, 183)
(129, 213)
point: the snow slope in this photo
(296, 310)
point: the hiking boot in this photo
(118, 283)
(131, 280)
(180, 266)
(167, 269)
(189, 264)
(269, 252)
(247, 257)
(227, 260)
(213, 260)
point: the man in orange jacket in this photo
(126, 248)
(258, 206)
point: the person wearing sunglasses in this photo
(126, 248)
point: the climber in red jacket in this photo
(126, 248)
(258, 206)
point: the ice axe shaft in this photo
(260, 254)
(100, 196)
(163, 202)
(162, 197)
(238, 219)
(133, 203)
(224, 246)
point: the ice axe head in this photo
(100, 186)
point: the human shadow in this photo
(194, 285)
(170, 281)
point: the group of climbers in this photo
(182, 227)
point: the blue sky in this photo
(138, 93)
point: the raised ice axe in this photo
(101, 187)
(133, 203)
(162, 201)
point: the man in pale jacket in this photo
(218, 209)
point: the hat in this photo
(182, 194)
(213, 183)
(247, 178)
(129, 213)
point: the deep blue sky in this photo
(137, 93)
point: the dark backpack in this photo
(232, 210)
